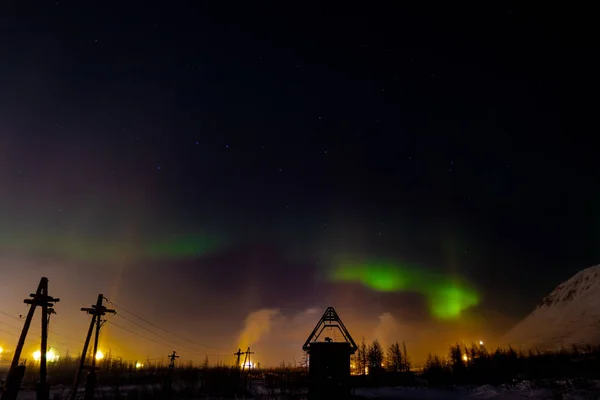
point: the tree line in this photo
(474, 364)
(372, 359)
(478, 365)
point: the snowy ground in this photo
(519, 391)
(522, 390)
(63, 391)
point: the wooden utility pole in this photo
(246, 358)
(242, 379)
(169, 380)
(97, 311)
(238, 354)
(172, 359)
(16, 373)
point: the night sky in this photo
(203, 161)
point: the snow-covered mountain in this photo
(570, 315)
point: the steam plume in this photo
(256, 325)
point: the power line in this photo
(138, 334)
(148, 330)
(161, 328)
(52, 342)
(38, 326)
(147, 321)
(32, 333)
(161, 343)
(137, 324)
(162, 337)
(12, 326)
(56, 344)
(4, 330)
(67, 347)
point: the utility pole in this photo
(97, 311)
(172, 359)
(16, 373)
(243, 381)
(248, 352)
(238, 354)
(246, 358)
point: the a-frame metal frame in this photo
(330, 319)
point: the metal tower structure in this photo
(329, 361)
(330, 319)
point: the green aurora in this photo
(447, 297)
(80, 248)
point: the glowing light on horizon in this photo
(51, 356)
(465, 357)
(1, 350)
(99, 355)
(138, 365)
(447, 297)
(481, 342)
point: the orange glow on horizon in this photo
(248, 364)
(51, 356)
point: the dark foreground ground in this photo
(563, 390)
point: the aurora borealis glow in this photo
(447, 297)
(82, 248)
